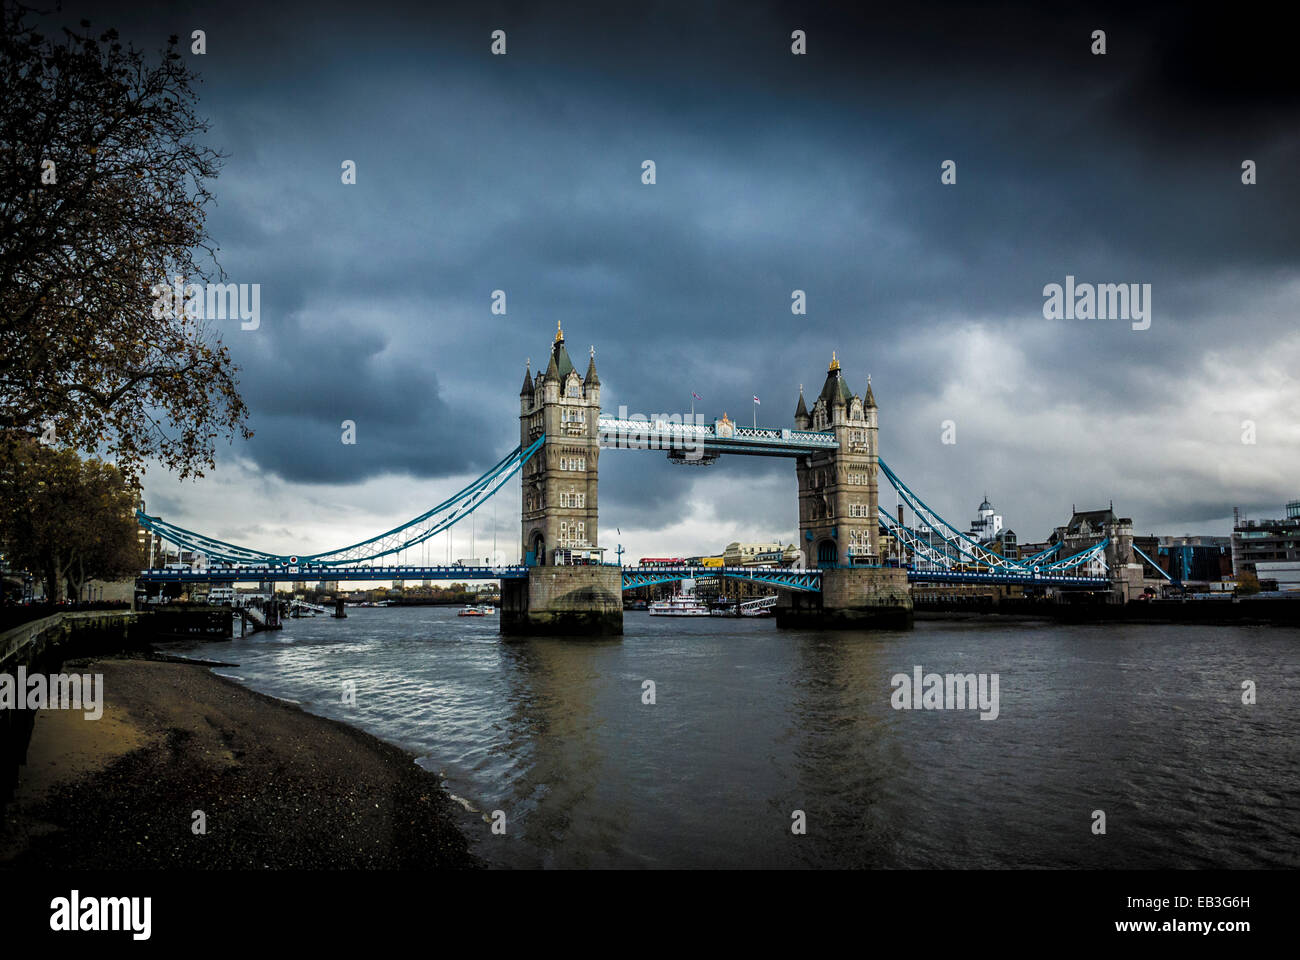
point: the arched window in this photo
(827, 552)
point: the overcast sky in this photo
(774, 172)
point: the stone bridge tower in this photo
(583, 597)
(839, 525)
(559, 482)
(838, 488)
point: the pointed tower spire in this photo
(870, 399)
(591, 380)
(560, 366)
(801, 418)
(835, 390)
(527, 389)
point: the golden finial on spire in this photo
(835, 364)
(559, 333)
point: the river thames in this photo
(751, 723)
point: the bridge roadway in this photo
(784, 577)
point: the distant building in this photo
(147, 540)
(1194, 558)
(988, 530)
(1087, 529)
(1255, 541)
(759, 554)
(987, 524)
(1283, 575)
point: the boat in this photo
(681, 604)
(471, 611)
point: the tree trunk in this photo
(53, 580)
(80, 582)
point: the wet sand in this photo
(280, 788)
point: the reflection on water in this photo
(751, 723)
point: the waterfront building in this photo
(1281, 575)
(1086, 529)
(1199, 558)
(1255, 541)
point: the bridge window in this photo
(827, 552)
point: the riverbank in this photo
(279, 788)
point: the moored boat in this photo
(681, 604)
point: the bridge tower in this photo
(559, 482)
(838, 489)
(558, 508)
(839, 527)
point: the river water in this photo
(751, 724)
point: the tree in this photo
(1247, 583)
(68, 519)
(103, 196)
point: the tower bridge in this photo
(562, 584)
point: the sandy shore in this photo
(280, 788)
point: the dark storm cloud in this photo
(774, 173)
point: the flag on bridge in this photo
(756, 400)
(696, 395)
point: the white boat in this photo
(681, 604)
